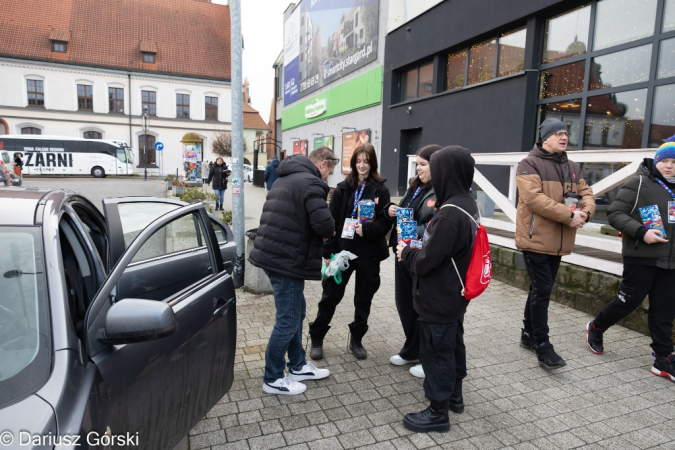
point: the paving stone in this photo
(207, 439)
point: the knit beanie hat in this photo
(667, 150)
(549, 127)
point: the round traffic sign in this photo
(159, 146)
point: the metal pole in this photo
(238, 217)
(145, 141)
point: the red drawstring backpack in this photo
(480, 268)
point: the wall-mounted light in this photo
(348, 129)
(409, 110)
(318, 134)
(295, 139)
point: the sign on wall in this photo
(325, 141)
(325, 40)
(349, 143)
(300, 147)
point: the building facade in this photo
(485, 74)
(95, 70)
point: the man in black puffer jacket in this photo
(288, 247)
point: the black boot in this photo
(317, 333)
(316, 351)
(434, 418)
(217, 206)
(456, 404)
(356, 335)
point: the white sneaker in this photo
(398, 361)
(308, 372)
(417, 371)
(284, 386)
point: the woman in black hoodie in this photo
(218, 179)
(368, 244)
(421, 198)
(438, 289)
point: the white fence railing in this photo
(507, 203)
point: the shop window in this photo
(668, 17)
(562, 80)
(116, 100)
(85, 97)
(36, 93)
(663, 115)
(621, 68)
(512, 52)
(621, 21)
(566, 35)
(666, 67)
(149, 100)
(456, 68)
(482, 61)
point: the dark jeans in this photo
(406, 312)
(443, 357)
(286, 336)
(367, 283)
(638, 281)
(542, 270)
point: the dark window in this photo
(116, 97)
(36, 93)
(146, 150)
(149, 99)
(456, 68)
(93, 135)
(417, 82)
(148, 58)
(482, 61)
(85, 97)
(31, 130)
(183, 105)
(211, 108)
(59, 46)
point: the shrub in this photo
(227, 217)
(194, 195)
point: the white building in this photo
(92, 72)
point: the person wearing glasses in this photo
(366, 239)
(295, 220)
(554, 202)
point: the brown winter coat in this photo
(542, 221)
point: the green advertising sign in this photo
(357, 93)
(326, 141)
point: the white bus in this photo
(62, 155)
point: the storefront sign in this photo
(315, 109)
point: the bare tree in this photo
(222, 144)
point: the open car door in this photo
(162, 328)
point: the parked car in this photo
(248, 172)
(113, 326)
(7, 175)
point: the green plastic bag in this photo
(324, 276)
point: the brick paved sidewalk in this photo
(608, 401)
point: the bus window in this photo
(121, 155)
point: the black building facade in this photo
(484, 74)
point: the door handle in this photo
(222, 310)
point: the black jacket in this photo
(295, 219)
(424, 205)
(436, 287)
(18, 162)
(372, 244)
(624, 215)
(218, 176)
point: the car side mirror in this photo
(135, 320)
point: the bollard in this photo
(255, 279)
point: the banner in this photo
(326, 141)
(333, 38)
(349, 143)
(300, 147)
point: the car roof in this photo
(18, 204)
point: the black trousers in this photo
(638, 281)
(542, 270)
(403, 292)
(443, 357)
(367, 283)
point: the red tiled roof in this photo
(252, 119)
(192, 37)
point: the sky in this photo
(263, 33)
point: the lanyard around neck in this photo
(357, 196)
(417, 192)
(670, 191)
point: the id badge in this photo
(349, 229)
(671, 212)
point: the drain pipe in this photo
(131, 134)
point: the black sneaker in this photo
(664, 367)
(548, 358)
(316, 351)
(594, 338)
(357, 349)
(526, 341)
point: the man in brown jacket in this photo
(546, 228)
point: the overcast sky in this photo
(263, 32)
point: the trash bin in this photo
(255, 279)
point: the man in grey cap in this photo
(554, 201)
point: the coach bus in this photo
(61, 155)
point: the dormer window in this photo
(59, 46)
(149, 58)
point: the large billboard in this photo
(325, 40)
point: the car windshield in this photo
(25, 337)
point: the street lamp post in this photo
(145, 142)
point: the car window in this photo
(121, 155)
(221, 234)
(5, 157)
(177, 236)
(25, 337)
(138, 215)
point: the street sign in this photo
(159, 146)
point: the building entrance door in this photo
(410, 142)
